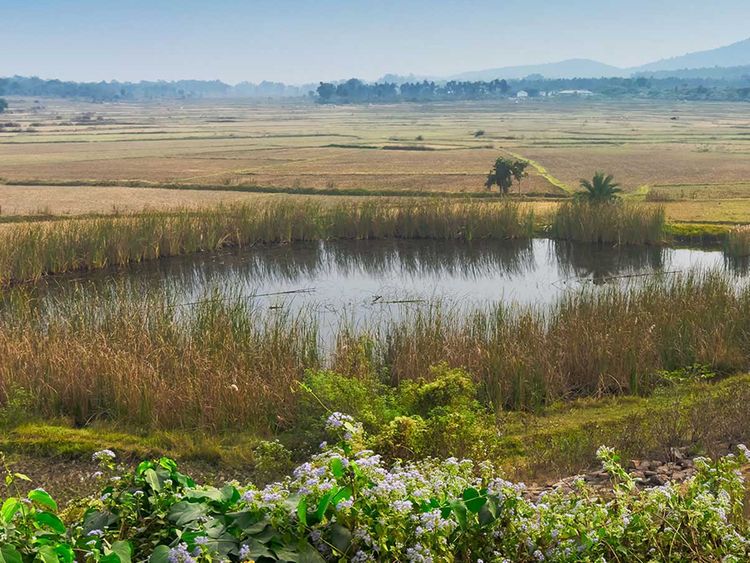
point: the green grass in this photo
(557, 441)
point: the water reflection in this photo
(601, 265)
(363, 277)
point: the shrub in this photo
(346, 504)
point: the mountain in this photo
(571, 68)
(736, 54)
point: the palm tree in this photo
(600, 189)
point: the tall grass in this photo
(590, 343)
(28, 252)
(139, 359)
(613, 223)
(737, 243)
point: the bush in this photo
(346, 504)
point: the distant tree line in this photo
(722, 87)
(146, 90)
(3, 105)
(357, 91)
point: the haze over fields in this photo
(299, 42)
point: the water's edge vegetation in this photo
(30, 251)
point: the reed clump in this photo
(611, 223)
(31, 251)
(140, 359)
(737, 243)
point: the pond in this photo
(362, 279)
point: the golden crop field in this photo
(692, 157)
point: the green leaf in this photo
(159, 555)
(9, 509)
(22, 477)
(487, 514)
(143, 466)
(152, 479)
(40, 496)
(343, 494)
(324, 502)
(474, 501)
(98, 520)
(337, 467)
(302, 511)
(308, 554)
(9, 554)
(459, 509)
(256, 550)
(341, 538)
(123, 551)
(65, 552)
(248, 521)
(286, 553)
(185, 512)
(47, 554)
(168, 464)
(50, 521)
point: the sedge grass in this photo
(737, 243)
(613, 223)
(141, 360)
(28, 252)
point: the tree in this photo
(504, 172)
(518, 170)
(326, 90)
(501, 175)
(3, 105)
(600, 189)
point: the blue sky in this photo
(300, 41)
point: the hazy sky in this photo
(300, 41)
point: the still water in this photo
(368, 278)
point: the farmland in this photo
(219, 280)
(691, 157)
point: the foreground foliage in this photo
(346, 504)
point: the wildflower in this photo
(245, 552)
(201, 540)
(103, 455)
(96, 532)
(337, 420)
(270, 497)
(180, 554)
(402, 506)
(345, 504)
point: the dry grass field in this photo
(692, 157)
